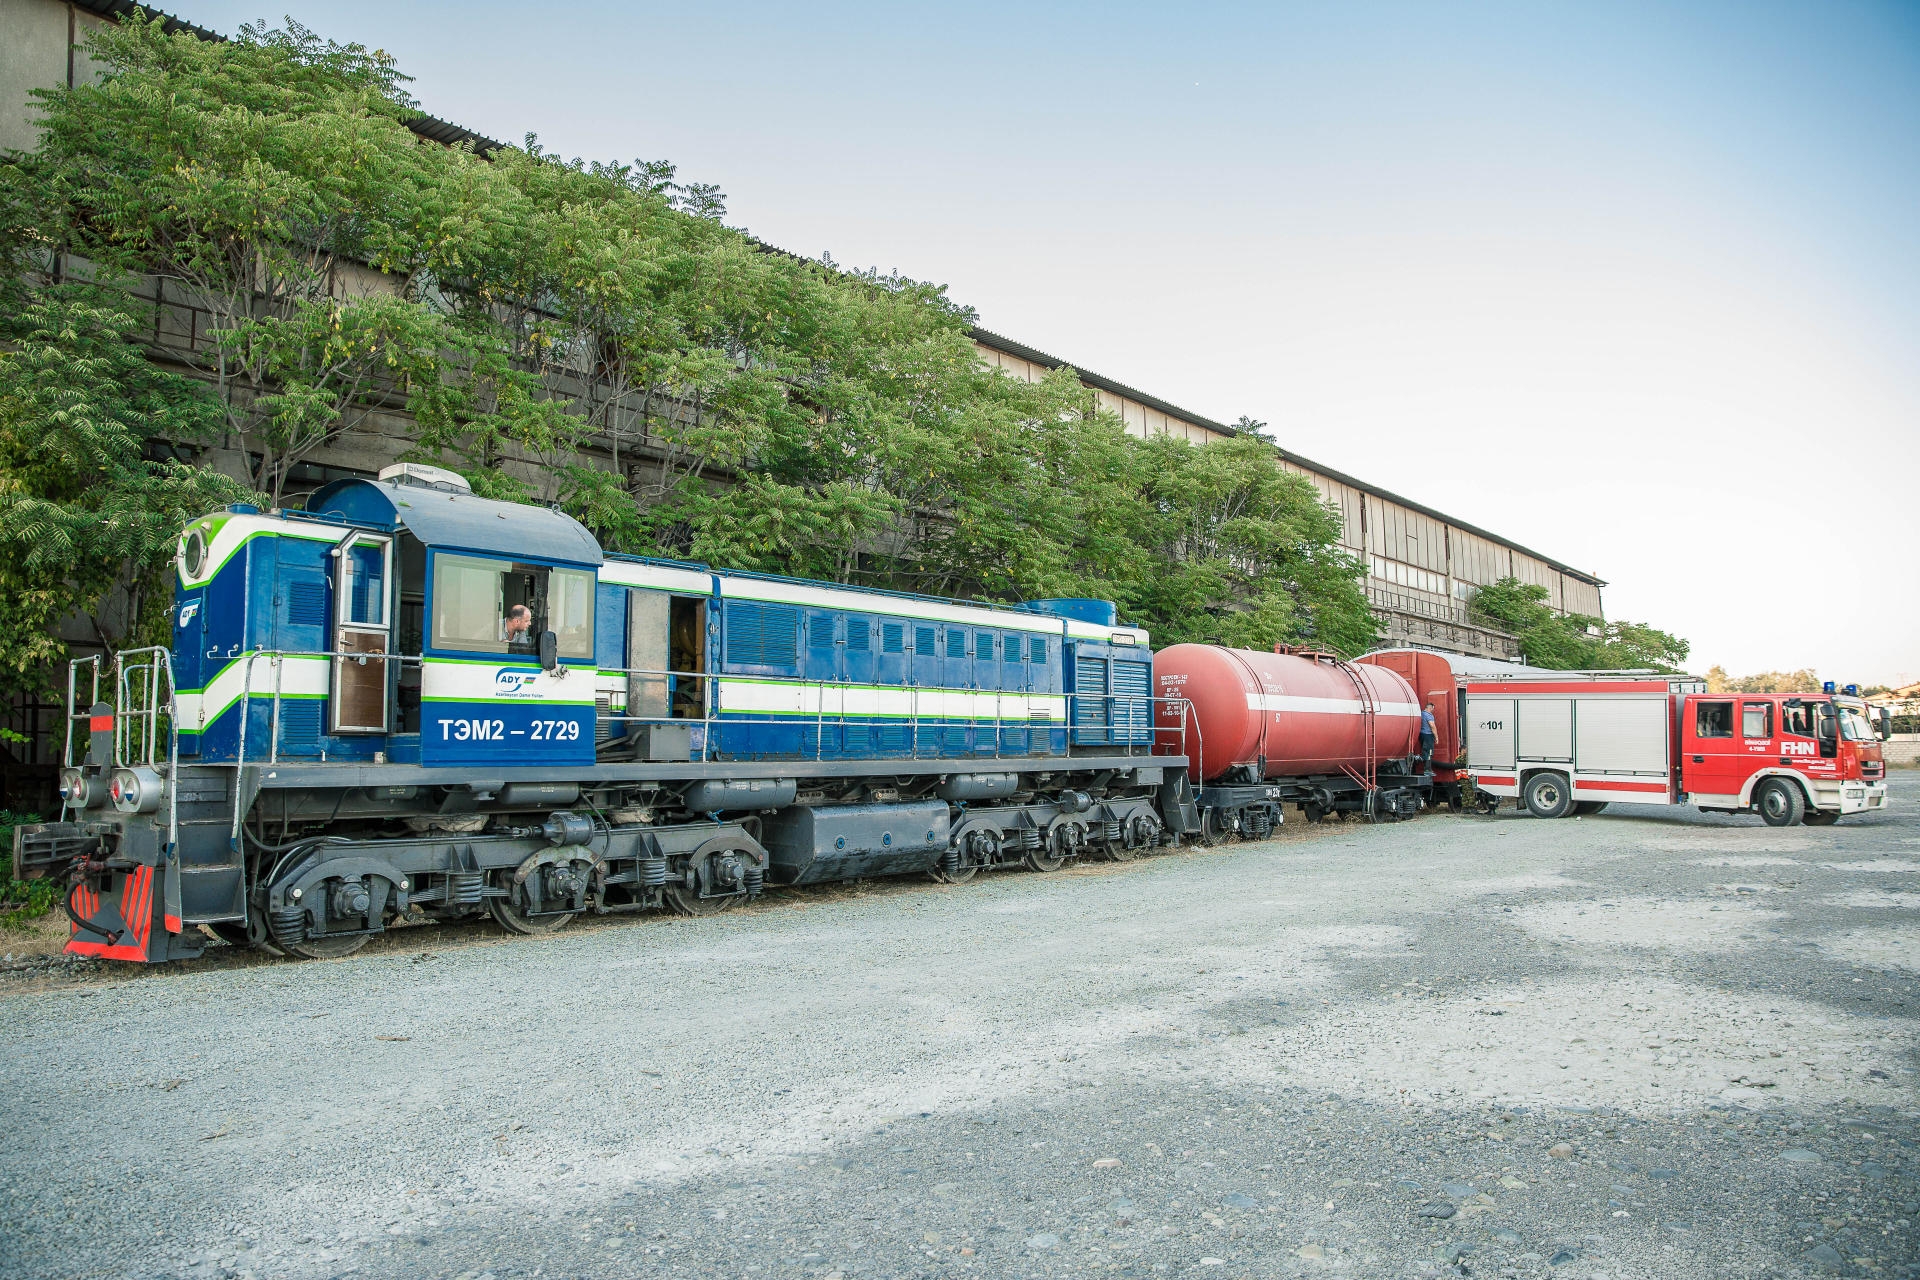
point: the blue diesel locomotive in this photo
(408, 699)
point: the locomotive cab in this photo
(395, 620)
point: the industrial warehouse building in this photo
(1424, 565)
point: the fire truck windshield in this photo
(1853, 726)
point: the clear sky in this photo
(1637, 286)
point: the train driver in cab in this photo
(517, 629)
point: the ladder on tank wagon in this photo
(1367, 775)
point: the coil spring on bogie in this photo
(288, 925)
(466, 888)
(950, 860)
(653, 872)
(1025, 838)
(755, 879)
(1113, 833)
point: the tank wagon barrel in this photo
(1292, 727)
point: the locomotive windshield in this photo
(482, 605)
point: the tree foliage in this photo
(82, 509)
(580, 333)
(1572, 641)
(1805, 680)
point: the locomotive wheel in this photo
(513, 920)
(231, 932)
(977, 832)
(1055, 848)
(688, 902)
(1043, 859)
(328, 948)
(252, 936)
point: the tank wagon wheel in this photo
(1820, 818)
(1780, 803)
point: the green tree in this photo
(83, 512)
(270, 182)
(1571, 641)
(535, 316)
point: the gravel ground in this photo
(1643, 1044)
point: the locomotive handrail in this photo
(73, 689)
(276, 661)
(716, 715)
(159, 660)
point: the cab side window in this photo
(1796, 720)
(1713, 720)
(1756, 720)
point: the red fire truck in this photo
(1572, 742)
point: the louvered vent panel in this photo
(956, 644)
(300, 726)
(893, 637)
(1132, 683)
(307, 604)
(1015, 649)
(923, 641)
(1089, 686)
(983, 645)
(762, 635)
(820, 631)
(1036, 650)
(859, 638)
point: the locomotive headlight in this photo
(136, 790)
(77, 790)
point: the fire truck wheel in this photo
(1547, 795)
(1820, 818)
(1780, 802)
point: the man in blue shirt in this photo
(1426, 735)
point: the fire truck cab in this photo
(1573, 742)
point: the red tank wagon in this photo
(1289, 727)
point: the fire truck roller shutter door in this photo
(1546, 729)
(1490, 733)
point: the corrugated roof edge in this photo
(429, 127)
(987, 337)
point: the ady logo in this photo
(187, 612)
(514, 681)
